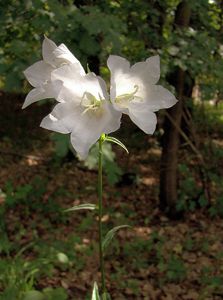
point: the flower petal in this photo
(61, 119)
(75, 85)
(72, 82)
(157, 97)
(89, 128)
(49, 90)
(47, 49)
(52, 123)
(84, 136)
(118, 67)
(113, 118)
(144, 119)
(86, 129)
(38, 73)
(148, 71)
(63, 55)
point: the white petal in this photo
(88, 129)
(52, 123)
(113, 118)
(47, 49)
(61, 119)
(157, 97)
(49, 90)
(85, 135)
(75, 85)
(63, 55)
(148, 71)
(118, 66)
(38, 73)
(95, 85)
(85, 128)
(83, 142)
(144, 119)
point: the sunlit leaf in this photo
(34, 295)
(88, 206)
(109, 236)
(116, 141)
(106, 296)
(62, 257)
(95, 293)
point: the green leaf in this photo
(55, 294)
(112, 171)
(88, 68)
(116, 141)
(203, 201)
(110, 167)
(88, 206)
(110, 234)
(106, 296)
(62, 257)
(95, 293)
(62, 144)
(34, 295)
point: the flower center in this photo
(124, 99)
(91, 104)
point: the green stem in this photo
(101, 255)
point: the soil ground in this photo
(157, 258)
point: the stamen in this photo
(128, 97)
(90, 102)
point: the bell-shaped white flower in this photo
(85, 110)
(39, 74)
(134, 90)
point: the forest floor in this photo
(41, 247)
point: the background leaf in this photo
(95, 293)
(110, 234)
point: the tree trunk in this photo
(171, 138)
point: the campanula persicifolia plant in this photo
(87, 112)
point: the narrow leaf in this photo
(116, 141)
(82, 206)
(110, 234)
(88, 69)
(106, 296)
(95, 293)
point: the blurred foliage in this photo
(87, 31)
(93, 29)
(110, 167)
(112, 170)
(191, 194)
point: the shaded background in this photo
(169, 188)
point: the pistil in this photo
(124, 99)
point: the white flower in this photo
(84, 111)
(39, 74)
(134, 90)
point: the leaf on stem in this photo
(106, 296)
(116, 141)
(110, 234)
(95, 293)
(88, 206)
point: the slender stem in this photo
(101, 256)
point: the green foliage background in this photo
(93, 29)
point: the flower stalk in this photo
(100, 211)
